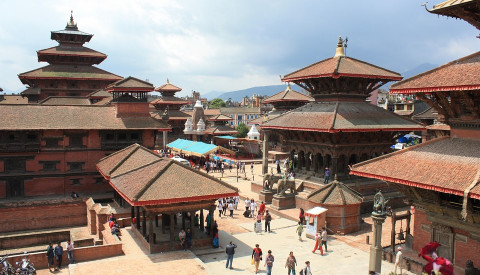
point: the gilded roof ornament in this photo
(340, 50)
(71, 24)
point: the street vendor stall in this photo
(315, 218)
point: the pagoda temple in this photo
(70, 71)
(443, 181)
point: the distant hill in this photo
(273, 89)
(260, 90)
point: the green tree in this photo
(242, 130)
(216, 103)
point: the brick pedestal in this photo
(266, 196)
(283, 202)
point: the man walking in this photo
(269, 262)
(50, 256)
(59, 254)
(247, 205)
(291, 263)
(230, 250)
(327, 175)
(268, 219)
(299, 230)
(231, 207)
(70, 249)
(324, 237)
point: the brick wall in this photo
(33, 239)
(82, 254)
(41, 216)
(422, 236)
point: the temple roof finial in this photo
(340, 51)
(168, 82)
(71, 24)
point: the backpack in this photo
(301, 271)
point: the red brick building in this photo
(70, 71)
(53, 150)
(441, 177)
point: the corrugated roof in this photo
(342, 66)
(341, 116)
(458, 75)
(168, 87)
(41, 117)
(448, 165)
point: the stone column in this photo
(138, 217)
(150, 231)
(183, 220)
(165, 139)
(202, 220)
(325, 164)
(172, 230)
(210, 211)
(376, 249)
(315, 163)
(265, 153)
(192, 215)
(156, 219)
(144, 223)
(334, 167)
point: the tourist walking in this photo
(50, 256)
(318, 244)
(253, 207)
(291, 263)
(301, 216)
(299, 231)
(230, 250)
(327, 175)
(237, 199)
(398, 260)
(225, 206)
(70, 249)
(59, 254)
(231, 207)
(181, 237)
(268, 219)
(220, 208)
(247, 204)
(256, 256)
(269, 262)
(324, 237)
(261, 208)
(307, 269)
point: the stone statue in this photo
(269, 180)
(284, 184)
(379, 203)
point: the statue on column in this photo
(379, 204)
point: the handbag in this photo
(251, 262)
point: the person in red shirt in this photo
(261, 209)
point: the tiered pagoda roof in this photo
(70, 72)
(288, 95)
(335, 193)
(144, 178)
(468, 10)
(447, 165)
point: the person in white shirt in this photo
(231, 207)
(253, 207)
(307, 270)
(220, 208)
(398, 260)
(70, 249)
(247, 204)
(237, 198)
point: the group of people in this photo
(261, 214)
(185, 238)
(225, 204)
(257, 257)
(215, 166)
(57, 254)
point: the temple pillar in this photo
(132, 212)
(376, 249)
(265, 153)
(150, 231)
(334, 166)
(315, 163)
(156, 220)
(172, 230)
(192, 215)
(144, 223)
(138, 217)
(325, 164)
(307, 162)
(202, 220)
(165, 139)
(163, 223)
(347, 169)
(210, 212)
(183, 219)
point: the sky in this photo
(229, 45)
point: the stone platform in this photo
(283, 202)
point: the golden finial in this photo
(340, 51)
(168, 82)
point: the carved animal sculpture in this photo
(283, 185)
(269, 180)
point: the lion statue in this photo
(283, 185)
(269, 180)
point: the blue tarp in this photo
(195, 147)
(226, 137)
